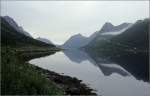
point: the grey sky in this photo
(58, 20)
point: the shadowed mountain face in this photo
(108, 27)
(124, 65)
(16, 26)
(10, 35)
(133, 38)
(136, 35)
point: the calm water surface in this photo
(106, 77)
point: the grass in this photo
(20, 78)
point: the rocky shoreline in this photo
(70, 85)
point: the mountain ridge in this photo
(18, 28)
(79, 41)
(11, 36)
(127, 40)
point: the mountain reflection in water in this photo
(109, 76)
(137, 65)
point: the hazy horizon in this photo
(58, 20)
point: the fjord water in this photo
(106, 77)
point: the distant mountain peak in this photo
(108, 24)
(76, 41)
(77, 36)
(108, 27)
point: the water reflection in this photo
(76, 55)
(106, 75)
(105, 66)
(136, 64)
(108, 69)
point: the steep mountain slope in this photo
(16, 26)
(44, 40)
(10, 36)
(108, 27)
(107, 32)
(133, 38)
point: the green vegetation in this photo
(19, 77)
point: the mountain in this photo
(92, 36)
(11, 37)
(16, 26)
(108, 27)
(135, 36)
(107, 31)
(132, 39)
(130, 49)
(44, 40)
(75, 41)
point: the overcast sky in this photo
(58, 20)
